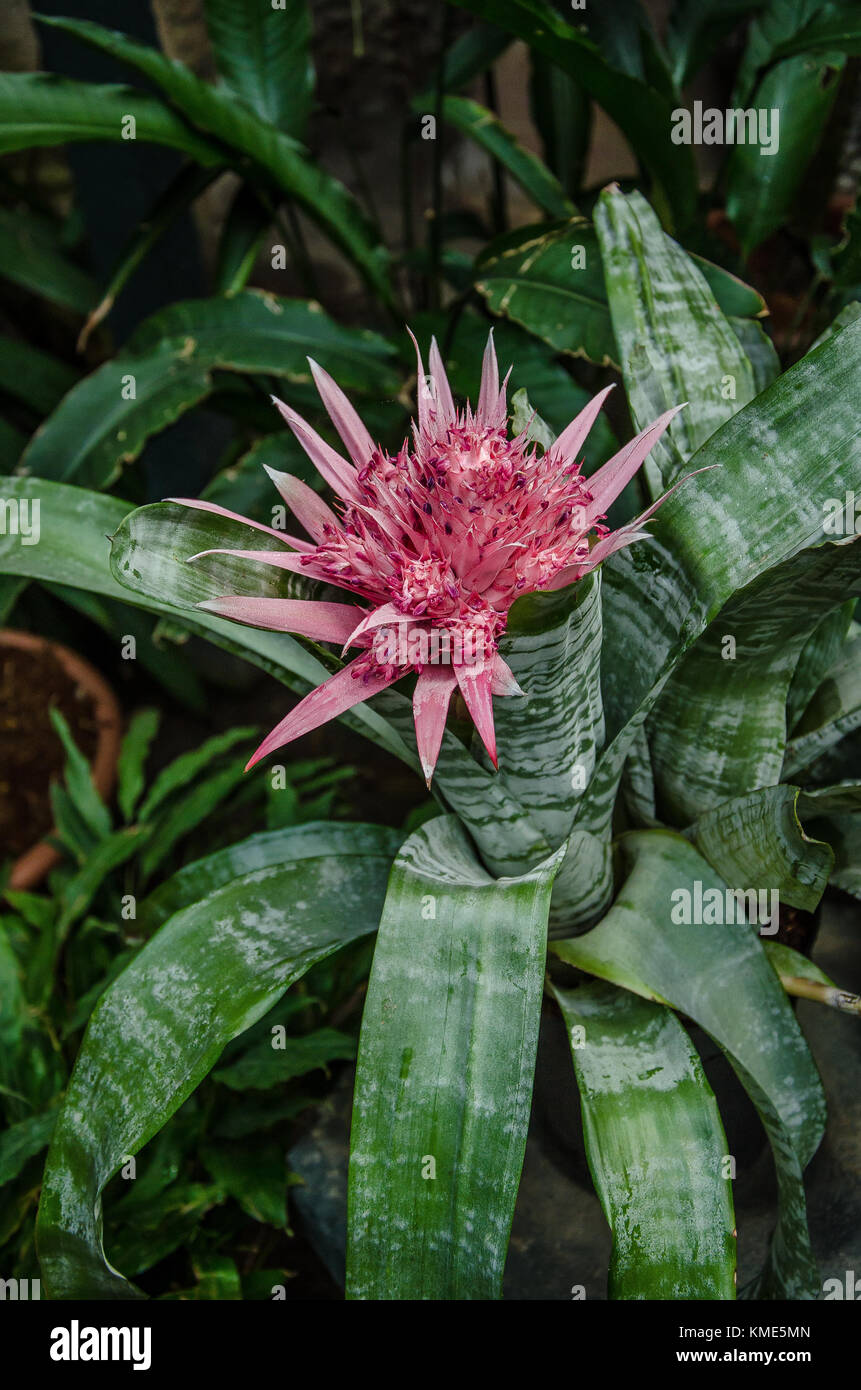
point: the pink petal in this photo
(488, 396)
(336, 471)
(626, 535)
(503, 681)
(357, 441)
(567, 447)
(475, 682)
(281, 559)
(606, 484)
(284, 560)
(488, 566)
(339, 693)
(201, 506)
(378, 617)
(617, 540)
(610, 544)
(444, 401)
(430, 707)
(502, 401)
(424, 398)
(321, 621)
(309, 509)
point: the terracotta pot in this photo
(32, 866)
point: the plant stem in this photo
(299, 251)
(498, 201)
(829, 995)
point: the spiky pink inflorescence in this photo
(435, 544)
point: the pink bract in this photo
(434, 545)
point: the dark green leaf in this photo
(211, 972)
(762, 184)
(189, 765)
(35, 377)
(38, 108)
(20, 1142)
(79, 782)
(263, 53)
(548, 278)
(33, 260)
(240, 241)
(105, 421)
(524, 167)
(187, 812)
(276, 155)
(642, 114)
(277, 1059)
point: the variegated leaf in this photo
(718, 976)
(718, 729)
(655, 1145)
(444, 1079)
(673, 341)
(759, 839)
(779, 460)
(834, 710)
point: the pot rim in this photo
(31, 867)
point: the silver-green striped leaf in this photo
(718, 729)
(779, 460)
(834, 710)
(673, 341)
(718, 976)
(444, 1079)
(655, 1144)
(759, 839)
(548, 740)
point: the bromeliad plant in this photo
(441, 540)
(689, 701)
(686, 700)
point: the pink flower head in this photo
(434, 544)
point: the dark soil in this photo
(31, 754)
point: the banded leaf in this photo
(719, 977)
(674, 344)
(444, 1078)
(712, 538)
(718, 729)
(759, 839)
(655, 1145)
(834, 710)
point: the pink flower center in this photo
(425, 586)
